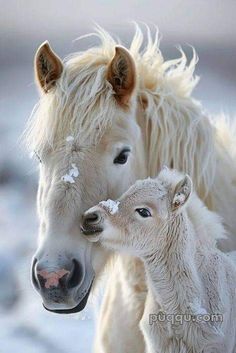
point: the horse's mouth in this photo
(79, 307)
(91, 230)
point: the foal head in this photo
(138, 221)
(90, 148)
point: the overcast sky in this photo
(205, 20)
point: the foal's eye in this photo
(122, 156)
(143, 212)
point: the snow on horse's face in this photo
(90, 148)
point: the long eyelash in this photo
(38, 157)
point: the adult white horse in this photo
(106, 117)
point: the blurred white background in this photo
(209, 26)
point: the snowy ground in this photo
(25, 327)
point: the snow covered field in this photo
(25, 327)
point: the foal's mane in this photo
(82, 104)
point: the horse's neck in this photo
(143, 124)
(178, 135)
(171, 270)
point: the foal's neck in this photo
(171, 269)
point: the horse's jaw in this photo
(79, 307)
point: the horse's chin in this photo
(79, 307)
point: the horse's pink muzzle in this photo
(64, 289)
(51, 279)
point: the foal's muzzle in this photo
(92, 223)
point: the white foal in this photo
(191, 305)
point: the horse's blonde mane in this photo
(177, 132)
(82, 104)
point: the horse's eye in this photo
(143, 212)
(122, 156)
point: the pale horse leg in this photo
(122, 309)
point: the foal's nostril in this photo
(92, 218)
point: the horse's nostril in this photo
(33, 275)
(92, 218)
(56, 278)
(76, 275)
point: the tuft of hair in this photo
(170, 177)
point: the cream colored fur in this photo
(164, 125)
(186, 273)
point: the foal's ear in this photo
(122, 75)
(182, 193)
(48, 67)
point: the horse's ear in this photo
(122, 75)
(182, 193)
(48, 67)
